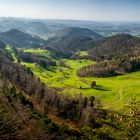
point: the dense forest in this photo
(114, 47)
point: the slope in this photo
(16, 38)
(114, 46)
(75, 32)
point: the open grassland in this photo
(114, 92)
(82, 53)
(39, 52)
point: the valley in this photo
(69, 80)
(113, 93)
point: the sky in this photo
(96, 10)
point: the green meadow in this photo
(10, 50)
(39, 52)
(113, 92)
(82, 53)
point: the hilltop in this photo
(114, 46)
(75, 32)
(16, 38)
(69, 40)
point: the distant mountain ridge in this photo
(75, 32)
(41, 27)
(33, 27)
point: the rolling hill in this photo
(75, 32)
(115, 55)
(37, 28)
(33, 27)
(69, 44)
(114, 46)
(16, 38)
(71, 39)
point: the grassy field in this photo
(82, 53)
(10, 50)
(114, 92)
(39, 52)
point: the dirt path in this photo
(73, 126)
(121, 91)
(121, 96)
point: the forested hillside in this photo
(68, 45)
(115, 46)
(114, 55)
(69, 40)
(16, 38)
(22, 90)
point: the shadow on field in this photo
(85, 88)
(51, 70)
(102, 88)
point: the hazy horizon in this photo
(93, 10)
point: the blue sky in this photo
(97, 10)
